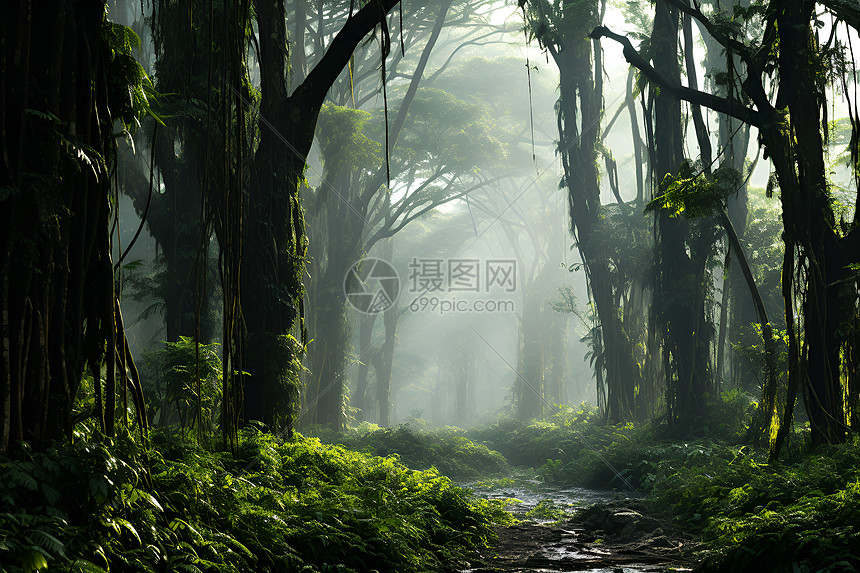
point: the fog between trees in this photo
(570, 202)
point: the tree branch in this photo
(390, 229)
(722, 105)
(313, 90)
(846, 10)
(473, 42)
(752, 85)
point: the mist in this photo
(429, 286)
(513, 278)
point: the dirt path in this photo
(608, 538)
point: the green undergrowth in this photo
(448, 449)
(575, 447)
(795, 516)
(798, 515)
(288, 506)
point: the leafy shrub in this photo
(576, 447)
(448, 450)
(181, 388)
(563, 436)
(77, 504)
(294, 506)
(815, 533)
(798, 515)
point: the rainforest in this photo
(454, 286)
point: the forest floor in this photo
(594, 497)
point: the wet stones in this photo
(623, 523)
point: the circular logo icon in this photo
(371, 286)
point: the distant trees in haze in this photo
(222, 137)
(368, 194)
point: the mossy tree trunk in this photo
(680, 293)
(184, 147)
(62, 90)
(580, 106)
(826, 341)
(274, 242)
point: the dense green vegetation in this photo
(797, 514)
(448, 450)
(102, 504)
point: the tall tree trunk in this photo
(365, 341)
(273, 248)
(579, 112)
(638, 154)
(737, 305)
(383, 365)
(555, 360)
(57, 146)
(679, 293)
(187, 76)
(386, 356)
(463, 382)
(275, 242)
(809, 221)
(530, 379)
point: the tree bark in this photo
(679, 292)
(57, 103)
(580, 104)
(275, 244)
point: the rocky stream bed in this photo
(612, 534)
